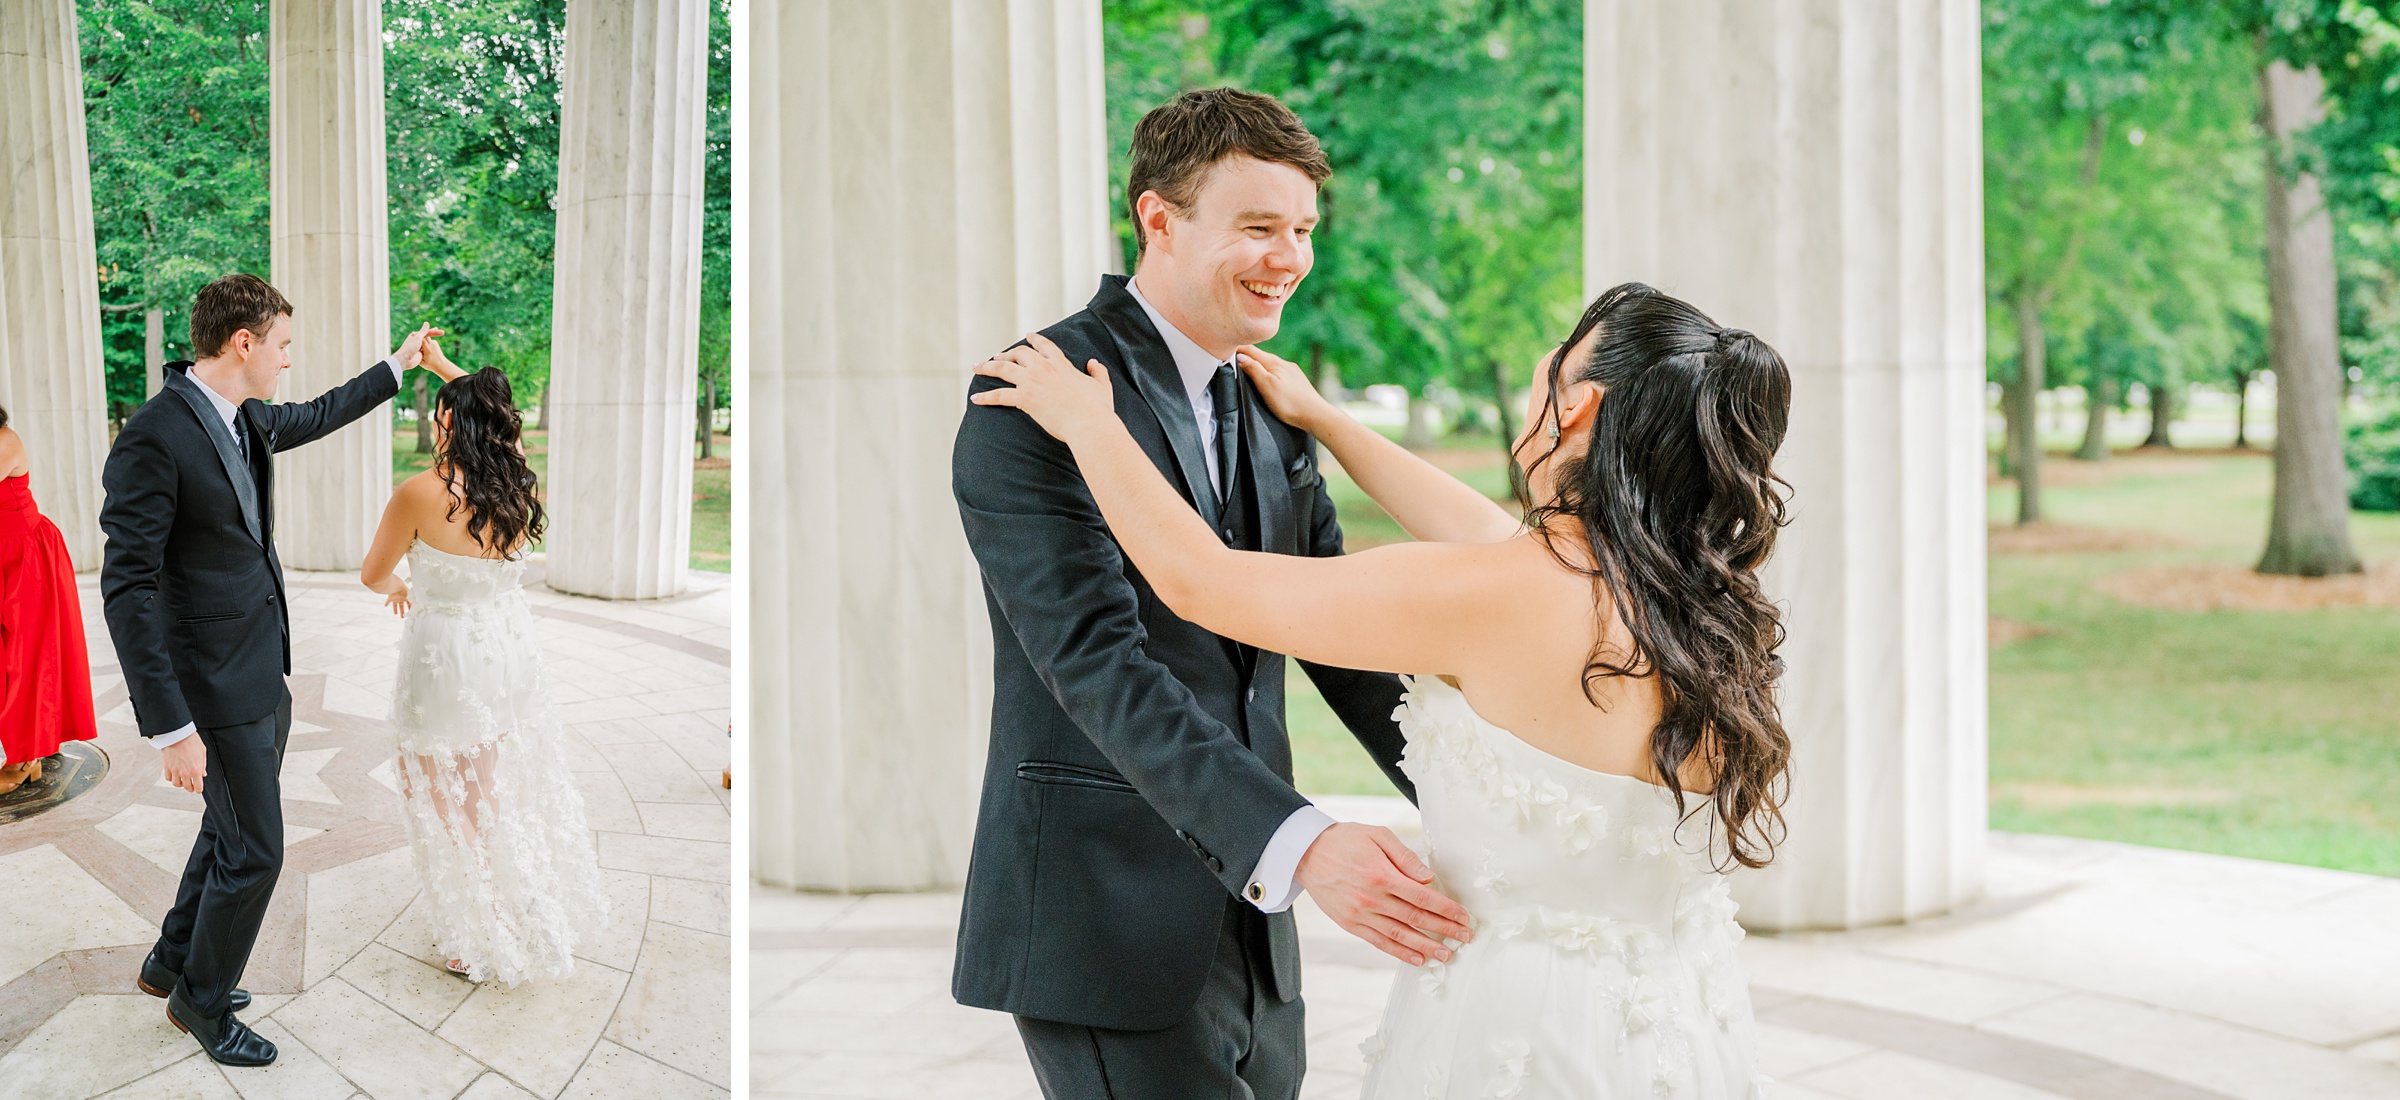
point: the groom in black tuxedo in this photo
(196, 606)
(1140, 841)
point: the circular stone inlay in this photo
(75, 768)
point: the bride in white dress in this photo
(493, 814)
(1591, 726)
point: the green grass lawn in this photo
(712, 491)
(2273, 735)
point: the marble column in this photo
(52, 380)
(920, 183)
(1811, 171)
(330, 255)
(625, 326)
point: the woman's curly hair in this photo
(483, 462)
(1679, 503)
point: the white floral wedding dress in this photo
(1603, 965)
(493, 812)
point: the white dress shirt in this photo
(227, 410)
(1272, 887)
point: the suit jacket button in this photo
(1216, 865)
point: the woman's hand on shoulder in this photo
(1068, 403)
(1285, 388)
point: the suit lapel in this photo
(245, 487)
(1151, 367)
(1263, 454)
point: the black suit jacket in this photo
(190, 582)
(1138, 763)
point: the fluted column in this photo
(1817, 179)
(331, 258)
(625, 325)
(923, 181)
(51, 377)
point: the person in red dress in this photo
(45, 677)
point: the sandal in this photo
(460, 968)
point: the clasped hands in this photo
(1375, 888)
(424, 348)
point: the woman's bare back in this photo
(441, 518)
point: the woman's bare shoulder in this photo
(12, 451)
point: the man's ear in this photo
(1155, 215)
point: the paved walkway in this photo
(2095, 971)
(345, 971)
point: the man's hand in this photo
(1375, 888)
(185, 762)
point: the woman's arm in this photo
(1420, 607)
(1430, 504)
(392, 539)
(439, 363)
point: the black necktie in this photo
(1224, 405)
(240, 446)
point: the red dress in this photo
(45, 677)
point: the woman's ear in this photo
(1579, 405)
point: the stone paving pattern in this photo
(345, 972)
(2093, 971)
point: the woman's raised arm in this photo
(1428, 502)
(1419, 608)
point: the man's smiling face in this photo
(1222, 270)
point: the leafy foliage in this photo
(175, 118)
(2373, 452)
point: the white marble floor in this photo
(2094, 971)
(344, 971)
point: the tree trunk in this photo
(1500, 400)
(2241, 410)
(154, 350)
(2009, 426)
(2031, 350)
(2308, 534)
(424, 416)
(2162, 416)
(1418, 435)
(2098, 394)
(1322, 371)
(708, 418)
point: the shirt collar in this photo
(1196, 366)
(225, 409)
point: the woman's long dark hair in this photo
(483, 462)
(1679, 503)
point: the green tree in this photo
(175, 117)
(471, 122)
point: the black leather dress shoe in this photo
(228, 1041)
(158, 981)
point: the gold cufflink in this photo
(1257, 893)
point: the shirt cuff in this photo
(1272, 886)
(399, 373)
(186, 730)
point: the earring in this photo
(1553, 429)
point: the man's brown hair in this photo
(230, 305)
(1175, 145)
